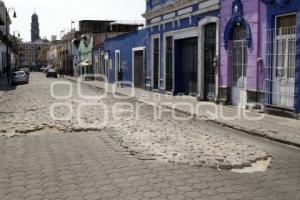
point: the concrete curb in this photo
(228, 125)
(245, 130)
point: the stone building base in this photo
(282, 112)
(255, 100)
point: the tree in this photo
(17, 40)
(42, 54)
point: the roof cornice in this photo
(171, 7)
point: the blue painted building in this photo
(282, 73)
(127, 53)
(183, 47)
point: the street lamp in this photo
(7, 37)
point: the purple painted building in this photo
(242, 51)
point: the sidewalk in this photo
(279, 129)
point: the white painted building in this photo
(3, 31)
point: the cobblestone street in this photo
(129, 158)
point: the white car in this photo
(19, 77)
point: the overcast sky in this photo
(56, 15)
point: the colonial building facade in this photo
(99, 40)
(126, 53)
(282, 69)
(66, 55)
(182, 47)
(53, 53)
(242, 52)
(28, 51)
(6, 63)
(28, 54)
(235, 52)
(94, 34)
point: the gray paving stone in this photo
(176, 197)
(151, 194)
(169, 191)
(53, 164)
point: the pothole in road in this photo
(31, 131)
(37, 130)
(47, 130)
(259, 166)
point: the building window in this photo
(169, 63)
(281, 62)
(285, 46)
(240, 55)
(156, 61)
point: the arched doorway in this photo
(208, 48)
(239, 66)
(210, 57)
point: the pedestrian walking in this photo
(60, 72)
(120, 78)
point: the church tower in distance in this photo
(35, 28)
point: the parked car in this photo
(51, 73)
(42, 69)
(46, 69)
(26, 70)
(20, 77)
